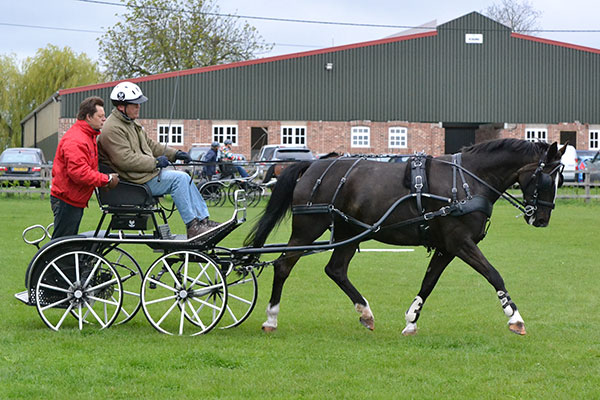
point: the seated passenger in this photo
(211, 156)
(126, 148)
(229, 156)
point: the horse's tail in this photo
(278, 205)
(269, 174)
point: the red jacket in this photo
(75, 168)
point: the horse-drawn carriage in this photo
(443, 203)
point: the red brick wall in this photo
(327, 136)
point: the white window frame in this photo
(224, 132)
(360, 136)
(595, 139)
(536, 135)
(173, 136)
(293, 135)
(397, 137)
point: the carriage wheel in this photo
(184, 293)
(242, 294)
(82, 284)
(131, 278)
(213, 194)
(253, 193)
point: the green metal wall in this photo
(433, 78)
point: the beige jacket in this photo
(125, 147)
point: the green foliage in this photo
(27, 85)
(158, 36)
(321, 351)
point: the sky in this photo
(77, 24)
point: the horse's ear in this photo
(553, 150)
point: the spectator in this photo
(211, 156)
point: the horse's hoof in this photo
(409, 332)
(368, 323)
(518, 328)
(269, 329)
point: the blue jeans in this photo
(185, 194)
(241, 171)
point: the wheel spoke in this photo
(89, 278)
(61, 274)
(55, 304)
(159, 283)
(104, 301)
(161, 299)
(168, 268)
(231, 295)
(91, 310)
(166, 314)
(206, 303)
(102, 285)
(62, 318)
(196, 316)
(58, 289)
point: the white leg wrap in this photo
(516, 317)
(413, 311)
(272, 313)
(364, 311)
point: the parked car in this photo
(400, 158)
(569, 160)
(197, 151)
(589, 161)
(278, 152)
(22, 164)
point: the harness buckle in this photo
(428, 216)
(445, 211)
(529, 210)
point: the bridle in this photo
(543, 182)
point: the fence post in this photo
(588, 180)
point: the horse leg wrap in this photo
(271, 323)
(366, 316)
(413, 312)
(507, 304)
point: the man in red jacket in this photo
(75, 168)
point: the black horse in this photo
(443, 203)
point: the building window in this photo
(398, 138)
(175, 136)
(224, 132)
(594, 142)
(293, 135)
(536, 135)
(361, 136)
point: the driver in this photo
(126, 148)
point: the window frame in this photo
(401, 136)
(227, 131)
(534, 135)
(355, 134)
(174, 134)
(296, 138)
(592, 140)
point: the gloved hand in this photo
(113, 181)
(162, 162)
(182, 155)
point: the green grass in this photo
(463, 349)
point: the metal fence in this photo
(8, 184)
(582, 189)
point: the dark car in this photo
(281, 153)
(588, 161)
(22, 164)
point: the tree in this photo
(519, 16)
(26, 86)
(9, 79)
(168, 35)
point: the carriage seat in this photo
(125, 194)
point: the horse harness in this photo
(419, 191)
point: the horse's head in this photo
(539, 183)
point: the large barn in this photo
(469, 80)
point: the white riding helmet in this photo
(127, 92)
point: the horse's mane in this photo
(514, 145)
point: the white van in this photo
(569, 160)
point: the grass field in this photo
(463, 350)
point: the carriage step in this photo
(23, 296)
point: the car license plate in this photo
(20, 169)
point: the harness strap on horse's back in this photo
(456, 161)
(418, 175)
(318, 181)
